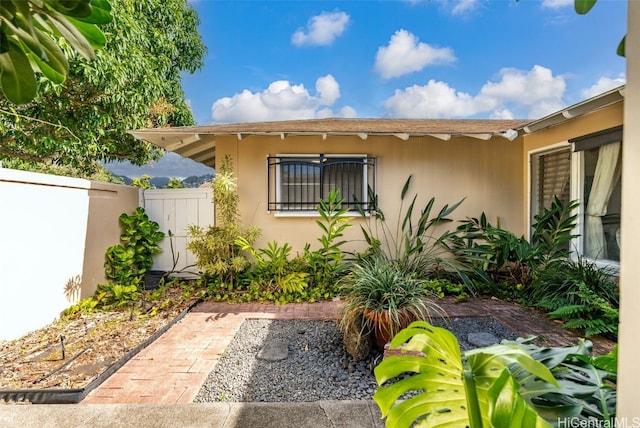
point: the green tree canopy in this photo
(134, 82)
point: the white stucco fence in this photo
(53, 235)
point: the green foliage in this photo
(217, 249)
(134, 82)
(126, 263)
(27, 47)
(498, 256)
(273, 270)
(326, 264)
(580, 292)
(143, 182)
(175, 183)
(411, 244)
(380, 286)
(448, 388)
(585, 387)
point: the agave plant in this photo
(447, 388)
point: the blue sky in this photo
(279, 60)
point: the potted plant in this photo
(384, 298)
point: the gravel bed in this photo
(316, 367)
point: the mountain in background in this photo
(170, 165)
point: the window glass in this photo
(602, 194)
(297, 183)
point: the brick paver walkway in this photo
(173, 368)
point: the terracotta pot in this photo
(384, 328)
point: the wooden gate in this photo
(175, 210)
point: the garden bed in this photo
(95, 345)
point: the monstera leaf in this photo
(445, 388)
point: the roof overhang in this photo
(605, 99)
(198, 142)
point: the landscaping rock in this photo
(274, 350)
(482, 339)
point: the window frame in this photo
(274, 182)
(577, 181)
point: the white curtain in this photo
(605, 178)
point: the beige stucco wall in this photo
(488, 173)
(106, 203)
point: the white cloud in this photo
(321, 29)
(524, 94)
(464, 6)
(603, 85)
(406, 54)
(280, 101)
(556, 4)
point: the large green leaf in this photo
(446, 388)
(584, 6)
(72, 34)
(19, 87)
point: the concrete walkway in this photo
(322, 414)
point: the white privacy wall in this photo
(175, 210)
(43, 221)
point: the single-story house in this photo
(509, 169)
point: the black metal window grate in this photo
(297, 182)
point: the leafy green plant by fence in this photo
(126, 263)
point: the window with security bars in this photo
(550, 177)
(297, 183)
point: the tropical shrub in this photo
(581, 293)
(586, 390)
(498, 256)
(217, 251)
(272, 275)
(411, 243)
(326, 264)
(513, 384)
(384, 297)
(446, 387)
(126, 263)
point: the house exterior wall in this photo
(605, 118)
(487, 173)
(54, 232)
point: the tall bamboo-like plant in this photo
(217, 250)
(448, 388)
